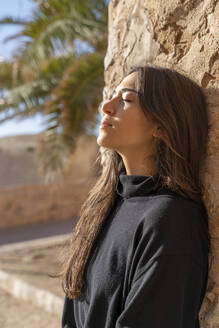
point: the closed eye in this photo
(127, 100)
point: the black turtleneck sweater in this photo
(149, 264)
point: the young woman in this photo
(138, 255)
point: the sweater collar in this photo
(137, 185)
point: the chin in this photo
(104, 142)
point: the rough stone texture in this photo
(181, 34)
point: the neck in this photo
(138, 166)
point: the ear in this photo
(157, 131)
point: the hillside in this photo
(25, 198)
(17, 163)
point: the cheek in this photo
(136, 130)
(138, 123)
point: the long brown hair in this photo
(178, 105)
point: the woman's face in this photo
(131, 131)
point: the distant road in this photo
(36, 230)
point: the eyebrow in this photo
(128, 89)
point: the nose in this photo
(107, 106)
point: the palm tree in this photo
(49, 75)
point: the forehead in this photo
(129, 82)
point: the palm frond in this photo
(79, 93)
(12, 21)
(48, 74)
(12, 37)
(53, 151)
(28, 97)
(59, 32)
(24, 99)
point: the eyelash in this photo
(127, 100)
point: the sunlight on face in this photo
(130, 130)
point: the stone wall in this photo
(181, 34)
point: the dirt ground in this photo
(20, 314)
(34, 265)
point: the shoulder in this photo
(172, 208)
(172, 223)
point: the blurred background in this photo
(55, 57)
(51, 83)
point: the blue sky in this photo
(15, 8)
(19, 9)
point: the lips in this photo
(105, 124)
